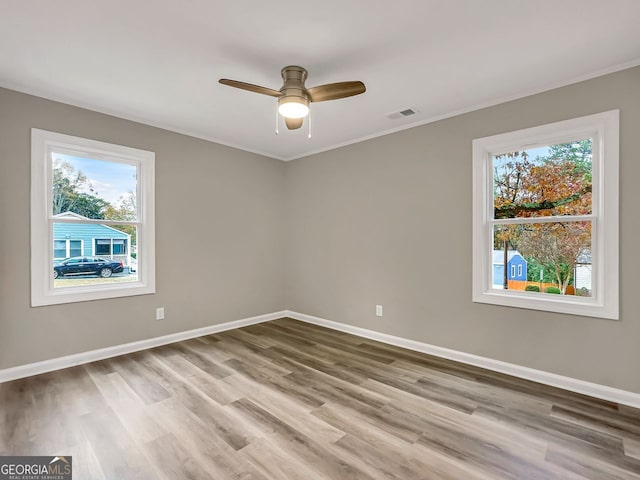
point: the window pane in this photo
(75, 248)
(551, 258)
(119, 247)
(59, 249)
(98, 265)
(91, 188)
(103, 247)
(543, 181)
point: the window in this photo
(66, 248)
(513, 271)
(549, 193)
(103, 247)
(110, 247)
(90, 198)
(118, 247)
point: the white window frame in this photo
(43, 144)
(604, 129)
(519, 270)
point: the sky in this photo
(537, 152)
(532, 152)
(110, 180)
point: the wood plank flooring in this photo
(287, 400)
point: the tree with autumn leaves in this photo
(556, 184)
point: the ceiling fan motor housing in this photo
(294, 91)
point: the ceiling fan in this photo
(294, 98)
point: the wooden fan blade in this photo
(293, 123)
(250, 87)
(334, 91)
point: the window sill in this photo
(566, 304)
(95, 292)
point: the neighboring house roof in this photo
(69, 215)
(498, 256)
(93, 229)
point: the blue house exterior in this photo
(89, 239)
(516, 267)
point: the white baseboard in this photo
(45, 366)
(567, 383)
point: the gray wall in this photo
(219, 228)
(388, 221)
(385, 221)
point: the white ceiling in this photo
(158, 61)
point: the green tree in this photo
(73, 192)
(534, 268)
(579, 153)
(125, 210)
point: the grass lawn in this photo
(91, 280)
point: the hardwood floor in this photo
(288, 400)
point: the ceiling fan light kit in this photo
(294, 97)
(293, 106)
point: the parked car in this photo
(87, 266)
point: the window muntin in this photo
(86, 191)
(549, 192)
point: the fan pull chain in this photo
(277, 131)
(309, 124)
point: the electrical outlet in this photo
(160, 313)
(378, 310)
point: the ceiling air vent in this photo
(407, 112)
